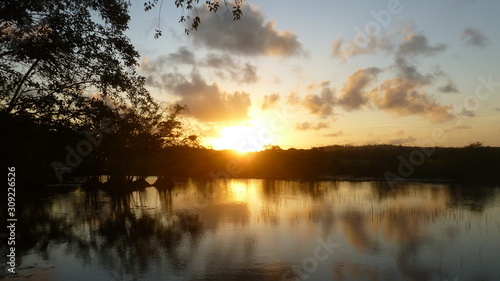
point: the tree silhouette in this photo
(54, 55)
(67, 66)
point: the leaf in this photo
(237, 13)
(158, 33)
(196, 23)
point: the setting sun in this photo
(241, 138)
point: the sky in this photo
(302, 74)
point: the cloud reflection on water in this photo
(261, 229)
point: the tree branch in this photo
(18, 89)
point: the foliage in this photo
(272, 147)
(172, 130)
(65, 66)
(54, 54)
(190, 5)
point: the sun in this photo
(241, 138)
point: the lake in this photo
(252, 229)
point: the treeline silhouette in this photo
(377, 162)
(44, 155)
(73, 104)
(115, 144)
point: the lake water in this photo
(249, 229)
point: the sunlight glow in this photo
(241, 138)
(239, 192)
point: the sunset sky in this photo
(316, 73)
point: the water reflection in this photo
(263, 230)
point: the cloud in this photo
(468, 113)
(412, 46)
(223, 65)
(165, 80)
(402, 141)
(497, 108)
(403, 97)
(410, 72)
(320, 104)
(461, 127)
(207, 102)
(293, 98)
(337, 48)
(355, 48)
(473, 37)
(246, 74)
(398, 95)
(251, 36)
(317, 86)
(353, 91)
(334, 135)
(311, 126)
(219, 61)
(450, 87)
(405, 27)
(181, 56)
(270, 101)
(249, 74)
(418, 44)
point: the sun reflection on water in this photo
(212, 227)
